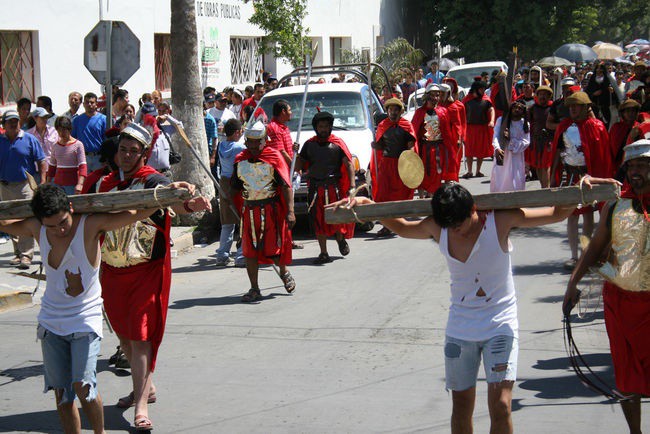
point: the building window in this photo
(16, 66)
(245, 60)
(336, 45)
(163, 61)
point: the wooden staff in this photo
(564, 196)
(104, 202)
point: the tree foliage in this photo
(489, 29)
(399, 54)
(282, 21)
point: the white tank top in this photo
(483, 300)
(63, 314)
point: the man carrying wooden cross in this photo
(482, 319)
(70, 318)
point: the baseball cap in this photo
(39, 112)
(10, 114)
(149, 109)
(210, 98)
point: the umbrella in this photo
(576, 53)
(444, 64)
(553, 61)
(606, 50)
(624, 61)
(641, 42)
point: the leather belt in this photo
(261, 202)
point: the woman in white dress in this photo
(511, 138)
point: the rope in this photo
(351, 196)
(155, 197)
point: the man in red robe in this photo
(538, 154)
(628, 112)
(136, 269)
(581, 146)
(262, 191)
(330, 177)
(480, 128)
(458, 118)
(394, 135)
(435, 139)
(622, 235)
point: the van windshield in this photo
(465, 77)
(346, 107)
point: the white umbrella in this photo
(606, 50)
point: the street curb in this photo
(15, 300)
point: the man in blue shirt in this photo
(20, 153)
(435, 76)
(90, 128)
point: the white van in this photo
(464, 74)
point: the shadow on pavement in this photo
(568, 386)
(538, 232)
(21, 373)
(47, 421)
(541, 268)
(221, 301)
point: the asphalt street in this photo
(357, 348)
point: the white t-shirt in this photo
(483, 300)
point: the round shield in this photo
(411, 169)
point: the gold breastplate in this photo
(129, 245)
(628, 266)
(432, 128)
(258, 179)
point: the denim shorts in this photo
(70, 359)
(462, 360)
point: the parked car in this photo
(354, 109)
(414, 102)
(464, 74)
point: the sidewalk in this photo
(17, 286)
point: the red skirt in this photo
(390, 185)
(136, 300)
(478, 141)
(449, 161)
(627, 317)
(326, 194)
(265, 233)
(539, 156)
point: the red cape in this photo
(121, 274)
(377, 155)
(344, 181)
(618, 134)
(458, 118)
(628, 193)
(276, 160)
(595, 145)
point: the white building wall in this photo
(59, 28)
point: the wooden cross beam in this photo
(563, 196)
(104, 202)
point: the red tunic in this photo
(136, 297)
(618, 134)
(327, 194)
(272, 234)
(446, 152)
(595, 145)
(389, 186)
(478, 136)
(539, 154)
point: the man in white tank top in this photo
(483, 314)
(70, 319)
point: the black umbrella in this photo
(576, 53)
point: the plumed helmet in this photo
(638, 149)
(137, 132)
(256, 131)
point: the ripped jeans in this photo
(462, 360)
(70, 359)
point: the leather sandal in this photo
(289, 282)
(142, 423)
(251, 296)
(129, 400)
(323, 258)
(344, 248)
